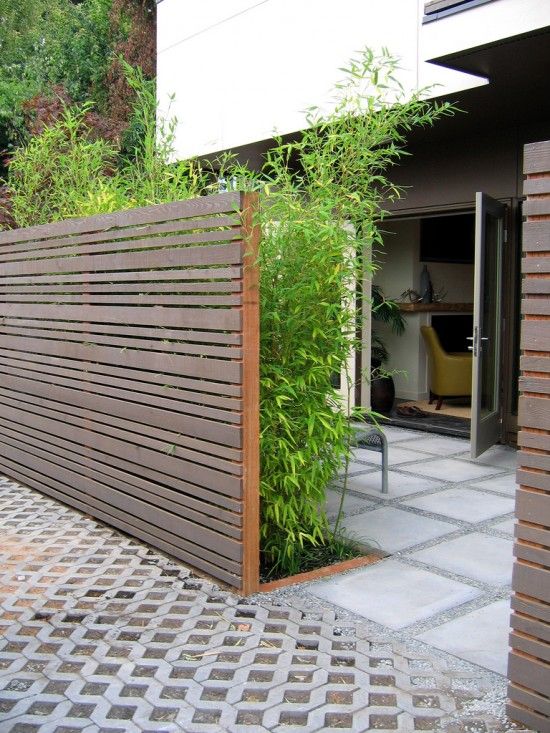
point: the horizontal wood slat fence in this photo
(129, 374)
(529, 661)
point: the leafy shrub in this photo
(323, 199)
(51, 177)
(68, 171)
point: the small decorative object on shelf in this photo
(426, 287)
(410, 296)
(439, 294)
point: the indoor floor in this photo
(441, 422)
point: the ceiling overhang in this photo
(517, 93)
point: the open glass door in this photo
(486, 340)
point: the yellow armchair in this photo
(450, 374)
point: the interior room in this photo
(427, 267)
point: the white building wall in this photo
(242, 70)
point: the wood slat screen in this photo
(529, 661)
(129, 374)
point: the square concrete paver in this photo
(399, 484)
(391, 529)
(355, 467)
(451, 469)
(476, 555)
(439, 445)
(394, 594)
(507, 526)
(502, 456)
(351, 503)
(480, 636)
(396, 454)
(505, 484)
(467, 505)
(394, 435)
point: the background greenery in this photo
(59, 48)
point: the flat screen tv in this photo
(447, 238)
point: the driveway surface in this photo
(98, 632)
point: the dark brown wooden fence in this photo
(529, 663)
(129, 374)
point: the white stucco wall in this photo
(241, 70)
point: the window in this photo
(435, 9)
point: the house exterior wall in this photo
(448, 174)
(243, 69)
(482, 25)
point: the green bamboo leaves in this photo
(323, 197)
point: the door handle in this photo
(475, 347)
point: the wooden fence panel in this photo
(529, 661)
(129, 374)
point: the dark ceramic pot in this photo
(382, 394)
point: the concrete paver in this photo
(394, 594)
(351, 503)
(398, 435)
(396, 456)
(503, 456)
(440, 445)
(399, 484)
(476, 555)
(462, 503)
(503, 484)
(480, 636)
(447, 469)
(506, 525)
(392, 529)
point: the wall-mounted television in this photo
(448, 238)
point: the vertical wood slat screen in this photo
(129, 374)
(529, 661)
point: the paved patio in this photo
(101, 633)
(447, 523)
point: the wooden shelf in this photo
(436, 307)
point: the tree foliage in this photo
(59, 48)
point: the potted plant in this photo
(382, 392)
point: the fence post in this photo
(251, 393)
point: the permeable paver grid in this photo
(100, 633)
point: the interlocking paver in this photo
(101, 633)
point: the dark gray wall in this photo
(448, 172)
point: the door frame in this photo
(488, 325)
(511, 280)
(511, 306)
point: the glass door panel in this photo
(486, 339)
